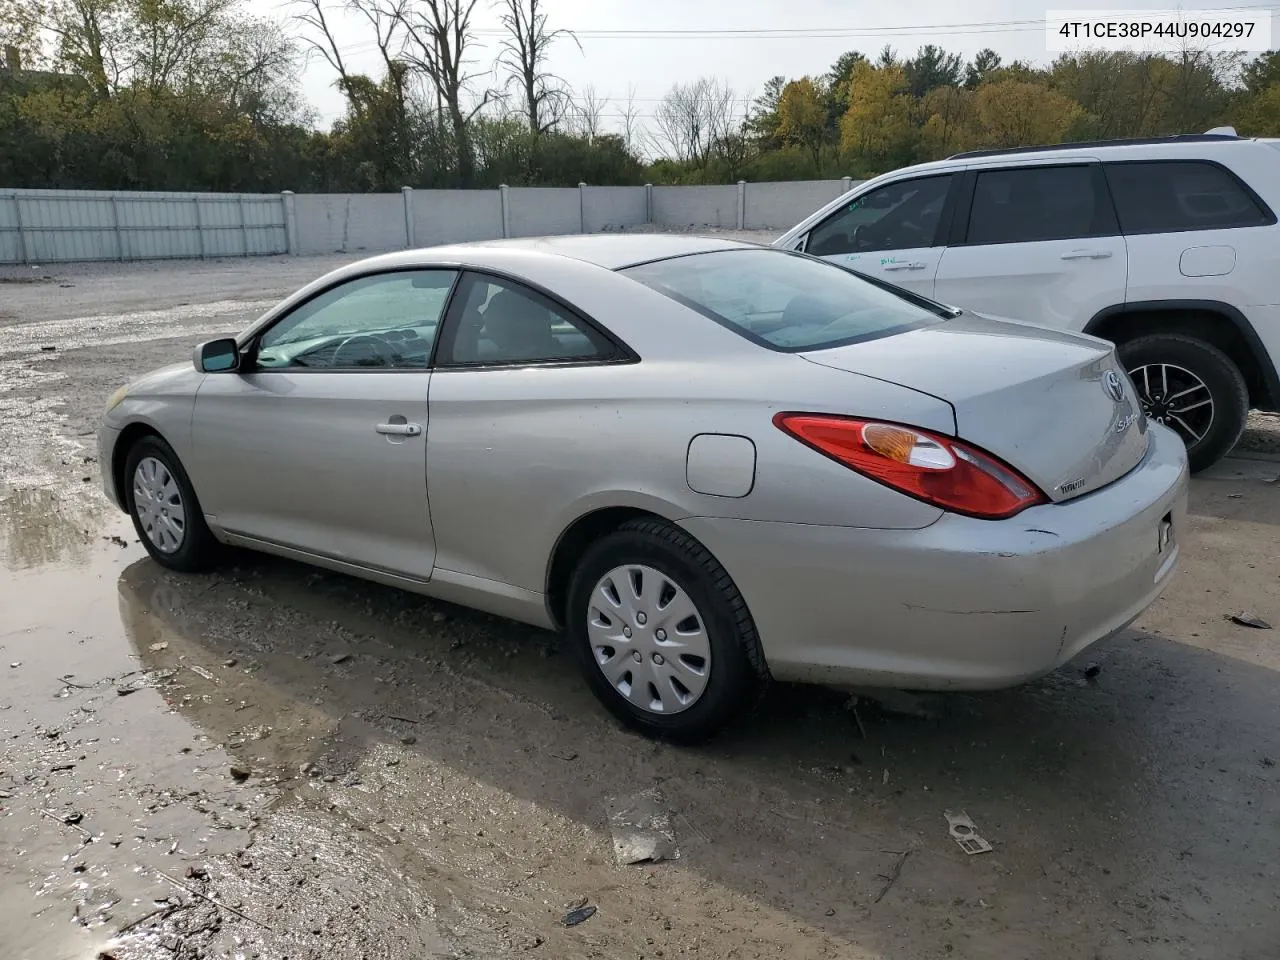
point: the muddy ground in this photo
(273, 761)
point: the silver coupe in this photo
(709, 463)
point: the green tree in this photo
(984, 63)
(931, 68)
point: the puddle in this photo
(144, 770)
(50, 525)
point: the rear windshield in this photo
(785, 301)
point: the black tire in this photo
(738, 676)
(198, 549)
(1215, 369)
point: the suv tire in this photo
(1175, 375)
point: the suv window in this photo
(503, 322)
(897, 216)
(1166, 196)
(387, 320)
(1030, 204)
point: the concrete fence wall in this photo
(50, 226)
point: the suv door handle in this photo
(905, 266)
(1087, 255)
(398, 429)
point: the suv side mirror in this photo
(217, 356)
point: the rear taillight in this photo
(936, 469)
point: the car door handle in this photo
(398, 429)
(1087, 255)
(905, 266)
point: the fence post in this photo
(407, 192)
(115, 226)
(506, 209)
(199, 226)
(742, 204)
(290, 222)
(648, 203)
(244, 226)
(846, 184)
(582, 207)
(22, 233)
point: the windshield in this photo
(784, 301)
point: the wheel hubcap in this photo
(157, 502)
(1176, 397)
(649, 639)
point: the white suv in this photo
(1167, 247)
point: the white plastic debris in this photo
(965, 833)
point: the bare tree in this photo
(588, 113)
(439, 34)
(319, 39)
(694, 119)
(630, 120)
(523, 54)
(386, 17)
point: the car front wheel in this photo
(164, 508)
(1192, 387)
(663, 636)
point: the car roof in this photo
(611, 251)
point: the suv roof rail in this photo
(1092, 144)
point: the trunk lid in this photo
(1044, 401)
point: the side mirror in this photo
(217, 356)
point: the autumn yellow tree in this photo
(1013, 113)
(802, 116)
(877, 128)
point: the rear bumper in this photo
(962, 603)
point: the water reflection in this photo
(49, 524)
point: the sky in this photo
(617, 56)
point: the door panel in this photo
(516, 373)
(319, 444)
(894, 232)
(1041, 245)
(331, 463)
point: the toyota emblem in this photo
(1114, 386)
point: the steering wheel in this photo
(369, 345)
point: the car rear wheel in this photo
(663, 636)
(164, 508)
(1192, 387)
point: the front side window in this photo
(385, 321)
(502, 322)
(784, 301)
(1172, 195)
(897, 216)
(1035, 204)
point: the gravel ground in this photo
(276, 761)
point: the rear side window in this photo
(1031, 204)
(1168, 196)
(783, 301)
